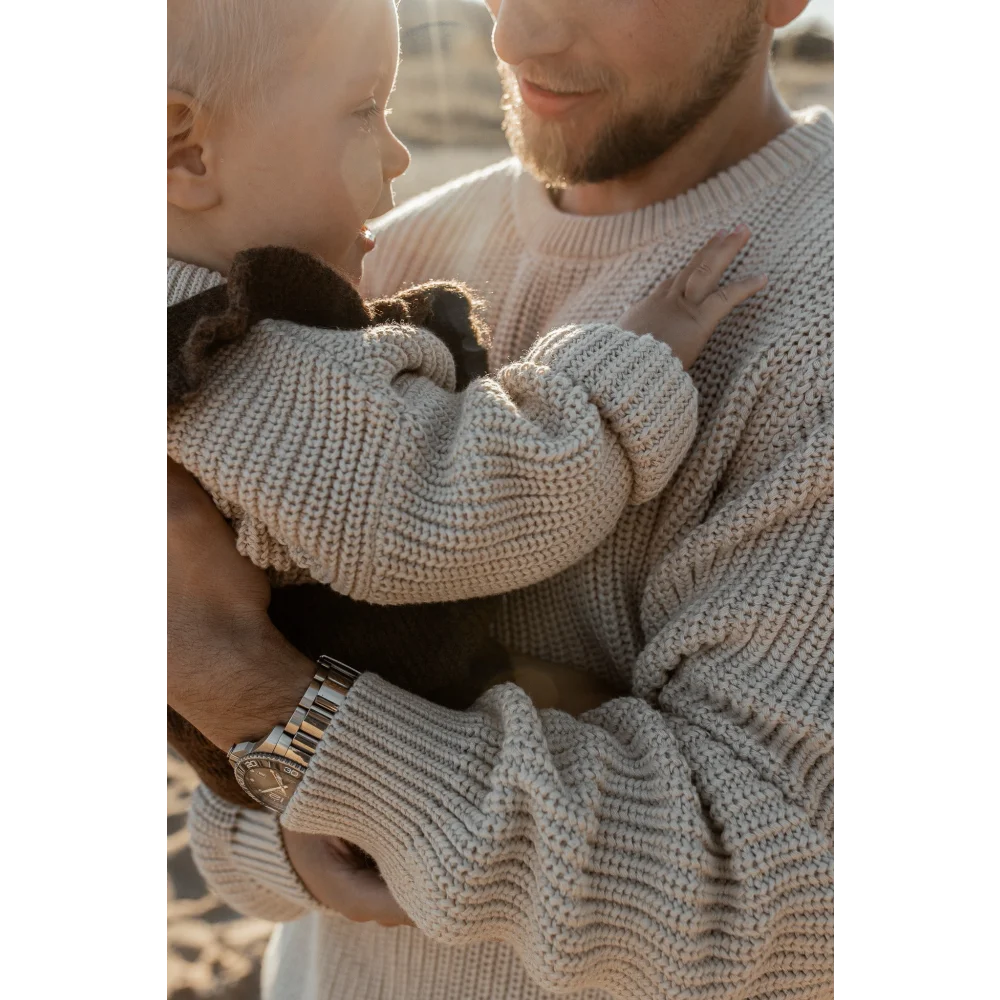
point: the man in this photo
(677, 840)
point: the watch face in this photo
(270, 780)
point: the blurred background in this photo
(447, 110)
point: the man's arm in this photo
(230, 673)
(676, 840)
(217, 601)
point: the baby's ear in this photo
(191, 183)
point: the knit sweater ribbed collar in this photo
(546, 230)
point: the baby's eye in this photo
(368, 115)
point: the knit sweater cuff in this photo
(384, 778)
(241, 855)
(640, 388)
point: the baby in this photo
(390, 509)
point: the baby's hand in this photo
(684, 310)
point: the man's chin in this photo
(553, 152)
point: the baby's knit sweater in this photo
(344, 456)
(678, 840)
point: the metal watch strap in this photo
(315, 712)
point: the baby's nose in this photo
(396, 159)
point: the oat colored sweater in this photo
(678, 840)
(345, 456)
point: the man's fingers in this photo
(332, 872)
(373, 901)
(198, 537)
(364, 895)
(724, 300)
(702, 276)
(208, 580)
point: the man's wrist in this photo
(267, 679)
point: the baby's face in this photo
(317, 160)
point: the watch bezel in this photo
(253, 760)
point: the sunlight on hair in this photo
(225, 52)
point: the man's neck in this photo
(744, 122)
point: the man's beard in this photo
(636, 132)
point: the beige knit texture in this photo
(345, 456)
(678, 840)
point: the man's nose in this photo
(531, 29)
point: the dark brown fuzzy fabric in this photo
(278, 283)
(440, 651)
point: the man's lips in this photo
(548, 103)
(367, 239)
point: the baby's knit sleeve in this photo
(346, 454)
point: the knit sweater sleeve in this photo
(676, 842)
(346, 454)
(241, 855)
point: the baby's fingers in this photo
(724, 300)
(702, 276)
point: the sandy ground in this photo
(212, 951)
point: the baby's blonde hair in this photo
(223, 52)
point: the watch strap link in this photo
(321, 702)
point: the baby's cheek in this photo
(361, 175)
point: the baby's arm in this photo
(347, 454)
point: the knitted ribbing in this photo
(334, 457)
(678, 840)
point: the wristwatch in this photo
(269, 770)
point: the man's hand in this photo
(554, 685)
(683, 311)
(339, 879)
(234, 677)
(230, 673)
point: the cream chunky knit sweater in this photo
(344, 457)
(678, 840)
